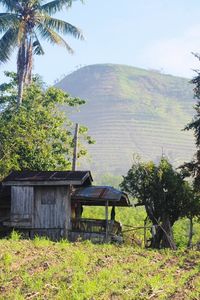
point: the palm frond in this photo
(56, 5)
(7, 43)
(53, 37)
(7, 20)
(63, 27)
(37, 47)
(11, 5)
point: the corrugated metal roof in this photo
(47, 176)
(98, 195)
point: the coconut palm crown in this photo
(22, 26)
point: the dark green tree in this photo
(193, 168)
(163, 192)
(37, 136)
(23, 24)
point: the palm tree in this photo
(22, 26)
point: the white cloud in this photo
(174, 55)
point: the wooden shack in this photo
(51, 204)
(97, 230)
(41, 202)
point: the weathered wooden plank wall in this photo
(52, 207)
(22, 199)
(41, 210)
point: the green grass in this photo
(82, 271)
(42, 269)
(135, 217)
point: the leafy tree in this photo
(163, 192)
(22, 26)
(193, 168)
(37, 136)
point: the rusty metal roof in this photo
(48, 176)
(99, 195)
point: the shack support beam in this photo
(106, 214)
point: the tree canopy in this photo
(37, 136)
(163, 192)
(24, 24)
(192, 168)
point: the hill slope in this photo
(131, 110)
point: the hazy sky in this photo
(152, 34)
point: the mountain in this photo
(131, 110)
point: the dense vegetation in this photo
(165, 195)
(192, 168)
(37, 136)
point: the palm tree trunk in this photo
(21, 62)
(29, 62)
(24, 67)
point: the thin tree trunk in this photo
(189, 245)
(156, 237)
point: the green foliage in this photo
(160, 189)
(192, 168)
(22, 24)
(7, 260)
(15, 236)
(37, 136)
(25, 19)
(41, 241)
(164, 194)
(134, 217)
(181, 232)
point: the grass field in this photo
(41, 269)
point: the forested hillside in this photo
(131, 110)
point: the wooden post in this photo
(189, 245)
(106, 215)
(145, 232)
(75, 147)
